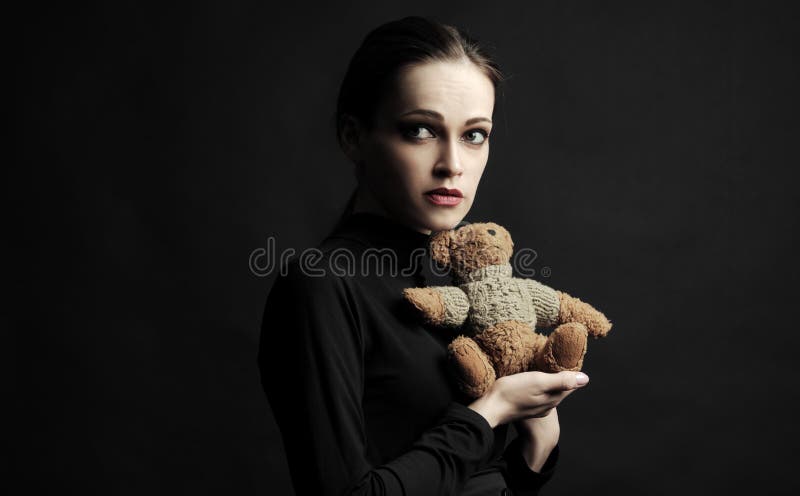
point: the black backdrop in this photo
(646, 152)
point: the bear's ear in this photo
(440, 247)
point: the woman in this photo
(360, 389)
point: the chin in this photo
(442, 221)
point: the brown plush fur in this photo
(512, 343)
(428, 302)
(574, 310)
(565, 348)
(473, 367)
(505, 346)
(468, 249)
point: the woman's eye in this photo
(418, 132)
(476, 136)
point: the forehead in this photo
(456, 89)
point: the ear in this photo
(349, 137)
(440, 247)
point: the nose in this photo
(449, 163)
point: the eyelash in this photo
(413, 127)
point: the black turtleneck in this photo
(361, 390)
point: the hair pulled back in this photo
(392, 46)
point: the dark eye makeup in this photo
(408, 130)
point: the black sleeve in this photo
(520, 478)
(311, 358)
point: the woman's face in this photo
(430, 132)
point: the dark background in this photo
(645, 151)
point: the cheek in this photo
(474, 172)
(401, 163)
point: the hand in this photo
(538, 436)
(527, 394)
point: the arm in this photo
(311, 358)
(446, 306)
(530, 459)
(529, 400)
(575, 310)
(546, 302)
(555, 307)
(520, 477)
(538, 440)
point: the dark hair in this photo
(394, 45)
(391, 47)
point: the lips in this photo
(445, 192)
(444, 197)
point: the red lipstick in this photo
(444, 197)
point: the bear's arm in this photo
(546, 301)
(555, 307)
(456, 305)
(446, 306)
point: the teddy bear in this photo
(497, 313)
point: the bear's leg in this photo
(564, 349)
(474, 370)
(511, 345)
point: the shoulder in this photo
(302, 296)
(308, 275)
(343, 261)
(331, 271)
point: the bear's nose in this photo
(491, 231)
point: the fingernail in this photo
(581, 378)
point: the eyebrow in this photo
(436, 115)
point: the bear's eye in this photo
(491, 231)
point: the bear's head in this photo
(471, 246)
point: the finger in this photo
(558, 396)
(565, 381)
(549, 403)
